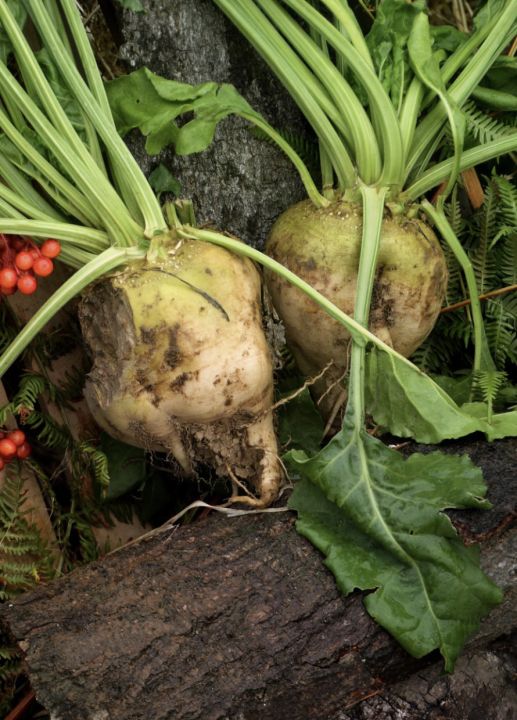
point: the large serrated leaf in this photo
(377, 519)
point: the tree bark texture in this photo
(238, 619)
(240, 183)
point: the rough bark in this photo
(239, 619)
(241, 183)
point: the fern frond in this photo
(458, 224)
(506, 257)
(507, 193)
(31, 386)
(483, 127)
(483, 230)
(50, 434)
(500, 328)
(24, 557)
(444, 346)
(88, 544)
(5, 413)
(10, 662)
(98, 463)
(71, 388)
(489, 383)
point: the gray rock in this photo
(240, 184)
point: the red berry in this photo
(24, 260)
(17, 437)
(7, 448)
(43, 266)
(23, 451)
(35, 253)
(27, 284)
(8, 277)
(17, 243)
(7, 291)
(51, 248)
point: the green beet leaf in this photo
(408, 403)
(387, 41)
(377, 518)
(150, 103)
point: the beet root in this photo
(322, 246)
(181, 364)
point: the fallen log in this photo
(233, 618)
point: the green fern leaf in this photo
(98, 462)
(50, 434)
(508, 200)
(483, 230)
(483, 127)
(500, 328)
(489, 383)
(506, 257)
(31, 387)
(24, 557)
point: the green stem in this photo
(147, 202)
(102, 264)
(96, 85)
(74, 201)
(360, 131)
(463, 86)
(87, 238)
(380, 104)
(496, 99)
(9, 211)
(74, 257)
(460, 56)
(19, 184)
(373, 209)
(91, 136)
(25, 206)
(327, 173)
(62, 151)
(470, 158)
(305, 89)
(482, 358)
(409, 114)
(349, 26)
(59, 134)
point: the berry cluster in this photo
(13, 445)
(21, 261)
